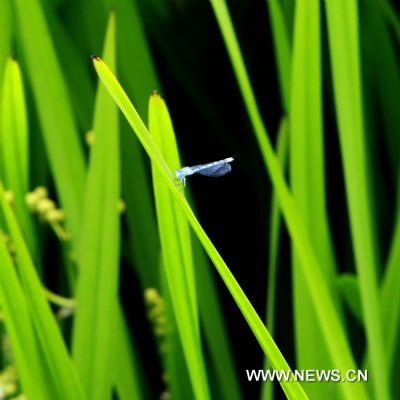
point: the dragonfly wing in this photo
(216, 170)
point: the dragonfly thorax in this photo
(185, 171)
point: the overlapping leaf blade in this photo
(342, 19)
(331, 324)
(98, 256)
(292, 389)
(177, 252)
(64, 378)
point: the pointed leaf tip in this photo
(156, 93)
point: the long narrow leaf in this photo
(57, 121)
(14, 146)
(5, 35)
(20, 331)
(19, 327)
(135, 60)
(282, 46)
(64, 376)
(98, 257)
(292, 389)
(177, 252)
(267, 392)
(307, 173)
(390, 297)
(344, 49)
(328, 317)
(127, 380)
(214, 327)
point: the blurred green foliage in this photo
(107, 286)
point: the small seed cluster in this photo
(8, 382)
(156, 313)
(9, 243)
(9, 375)
(39, 202)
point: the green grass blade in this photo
(98, 256)
(267, 391)
(390, 307)
(344, 49)
(215, 331)
(127, 380)
(288, 12)
(15, 130)
(54, 109)
(292, 389)
(387, 84)
(177, 252)
(14, 146)
(178, 382)
(135, 60)
(347, 286)
(32, 370)
(5, 48)
(390, 298)
(307, 176)
(282, 47)
(391, 15)
(306, 133)
(5, 35)
(19, 328)
(75, 70)
(134, 56)
(62, 371)
(331, 324)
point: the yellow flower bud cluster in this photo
(8, 381)
(156, 313)
(9, 195)
(6, 350)
(89, 138)
(9, 243)
(121, 206)
(38, 202)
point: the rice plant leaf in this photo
(387, 84)
(56, 117)
(288, 12)
(347, 286)
(332, 328)
(135, 60)
(292, 389)
(282, 47)
(74, 68)
(14, 146)
(390, 298)
(342, 19)
(267, 390)
(128, 382)
(5, 35)
(179, 384)
(216, 336)
(98, 257)
(392, 17)
(62, 371)
(307, 176)
(14, 122)
(177, 252)
(19, 328)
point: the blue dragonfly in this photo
(215, 169)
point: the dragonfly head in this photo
(182, 173)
